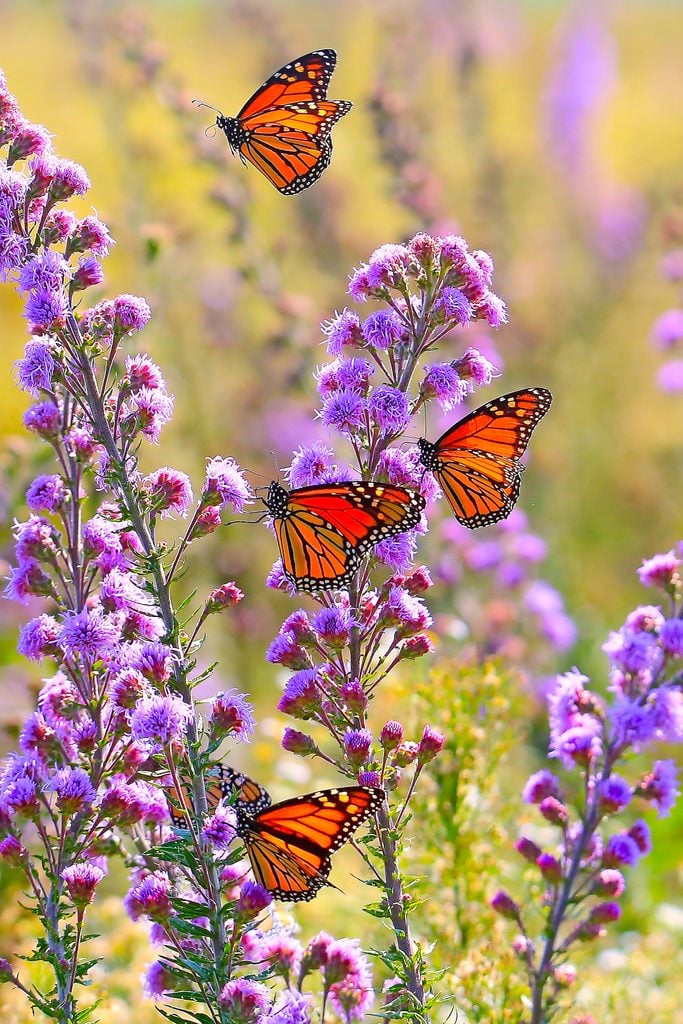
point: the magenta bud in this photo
(505, 905)
(431, 744)
(605, 913)
(391, 735)
(224, 596)
(528, 849)
(554, 810)
(298, 742)
(550, 867)
(609, 882)
(405, 753)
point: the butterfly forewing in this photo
(222, 783)
(476, 461)
(299, 81)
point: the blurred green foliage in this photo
(447, 133)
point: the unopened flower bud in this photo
(505, 905)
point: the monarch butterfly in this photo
(290, 844)
(477, 462)
(221, 784)
(322, 530)
(284, 129)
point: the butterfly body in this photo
(323, 530)
(284, 128)
(477, 461)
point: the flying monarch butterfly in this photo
(476, 461)
(284, 129)
(323, 530)
(290, 844)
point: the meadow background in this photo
(546, 133)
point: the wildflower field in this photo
(341, 644)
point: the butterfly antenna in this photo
(201, 103)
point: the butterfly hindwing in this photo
(323, 530)
(477, 461)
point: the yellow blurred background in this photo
(547, 133)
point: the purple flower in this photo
(119, 592)
(609, 882)
(161, 719)
(45, 310)
(231, 714)
(170, 491)
(567, 701)
(452, 306)
(36, 370)
(291, 1008)
(540, 785)
(668, 329)
(384, 329)
(158, 981)
(142, 372)
(246, 1002)
(345, 411)
(632, 724)
(225, 485)
(670, 376)
(391, 735)
(635, 654)
(29, 140)
(101, 541)
(69, 179)
(88, 633)
(397, 552)
(38, 638)
(286, 650)
(354, 375)
(504, 905)
(614, 794)
(443, 383)
(90, 233)
(550, 867)
(87, 274)
(131, 313)
(253, 899)
(151, 897)
(659, 786)
(312, 464)
(388, 266)
(343, 329)
(640, 834)
(647, 618)
(333, 625)
(431, 743)
(47, 493)
(74, 789)
(11, 851)
(301, 697)
(48, 270)
(621, 849)
(155, 661)
(390, 409)
(405, 611)
(151, 409)
(662, 571)
(221, 828)
(666, 708)
(81, 880)
(44, 418)
(297, 742)
(475, 368)
(28, 580)
(357, 746)
(581, 744)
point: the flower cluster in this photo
(590, 736)
(115, 721)
(496, 599)
(667, 331)
(428, 291)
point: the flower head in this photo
(81, 880)
(162, 719)
(170, 491)
(225, 485)
(231, 714)
(90, 634)
(246, 1002)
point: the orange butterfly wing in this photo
(290, 844)
(477, 461)
(284, 129)
(322, 530)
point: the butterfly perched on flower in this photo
(290, 844)
(323, 530)
(284, 129)
(477, 461)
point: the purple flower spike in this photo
(160, 719)
(81, 880)
(225, 485)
